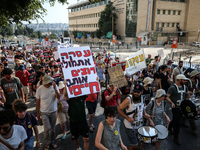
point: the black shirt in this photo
(19, 56)
(126, 89)
(147, 94)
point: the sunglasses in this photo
(5, 128)
(136, 92)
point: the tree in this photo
(39, 33)
(66, 33)
(98, 33)
(85, 34)
(6, 30)
(75, 33)
(92, 34)
(17, 11)
(53, 36)
(34, 35)
(105, 21)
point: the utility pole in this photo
(198, 36)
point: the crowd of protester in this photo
(38, 75)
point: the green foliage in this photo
(92, 34)
(85, 35)
(6, 30)
(105, 21)
(66, 33)
(16, 11)
(34, 35)
(39, 34)
(91, 1)
(53, 36)
(75, 33)
(98, 33)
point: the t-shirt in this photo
(36, 67)
(28, 122)
(19, 56)
(174, 95)
(126, 89)
(177, 71)
(15, 85)
(113, 100)
(76, 109)
(99, 61)
(18, 136)
(147, 94)
(47, 96)
(100, 73)
(92, 97)
(148, 61)
(23, 76)
(58, 80)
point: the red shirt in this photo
(92, 97)
(23, 76)
(113, 101)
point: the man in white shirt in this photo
(11, 135)
(177, 70)
(46, 106)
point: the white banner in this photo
(29, 48)
(56, 55)
(79, 71)
(161, 52)
(135, 62)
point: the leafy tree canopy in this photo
(66, 34)
(16, 11)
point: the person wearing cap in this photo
(18, 63)
(148, 70)
(106, 59)
(133, 118)
(177, 70)
(126, 90)
(112, 95)
(12, 88)
(23, 75)
(36, 65)
(19, 55)
(62, 112)
(46, 106)
(148, 60)
(175, 94)
(147, 90)
(156, 62)
(156, 109)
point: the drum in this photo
(147, 134)
(189, 109)
(197, 103)
(162, 132)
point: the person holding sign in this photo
(134, 108)
(108, 134)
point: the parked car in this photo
(167, 42)
(195, 44)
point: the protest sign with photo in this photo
(117, 76)
(123, 64)
(135, 62)
(79, 71)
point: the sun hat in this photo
(21, 67)
(61, 85)
(194, 73)
(147, 81)
(19, 61)
(181, 77)
(28, 65)
(46, 79)
(160, 93)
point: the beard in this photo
(136, 98)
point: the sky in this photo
(56, 14)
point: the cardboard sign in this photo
(135, 62)
(161, 52)
(117, 76)
(56, 55)
(123, 64)
(79, 71)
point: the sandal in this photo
(54, 145)
(91, 129)
(93, 126)
(46, 147)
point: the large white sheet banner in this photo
(135, 62)
(79, 71)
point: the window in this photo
(102, 2)
(179, 12)
(97, 4)
(158, 11)
(174, 12)
(172, 24)
(93, 5)
(89, 5)
(163, 24)
(108, 1)
(85, 7)
(81, 7)
(157, 24)
(167, 24)
(163, 12)
(169, 12)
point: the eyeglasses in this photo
(5, 128)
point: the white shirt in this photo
(177, 71)
(18, 136)
(48, 101)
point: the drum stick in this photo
(136, 115)
(152, 116)
(167, 126)
(159, 131)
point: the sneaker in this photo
(171, 131)
(63, 137)
(79, 148)
(177, 141)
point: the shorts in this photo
(79, 128)
(91, 106)
(25, 89)
(62, 116)
(132, 136)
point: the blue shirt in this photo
(100, 73)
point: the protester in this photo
(23, 75)
(36, 65)
(12, 88)
(164, 78)
(78, 122)
(148, 60)
(169, 67)
(11, 136)
(99, 59)
(100, 73)
(46, 106)
(156, 108)
(28, 121)
(108, 135)
(147, 90)
(177, 70)
(62, 110)
(126, 90)
(156, 62)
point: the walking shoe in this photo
(64, 136)
(171, 131)
(177, 141)
(79, 148)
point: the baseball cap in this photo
(137, 88)
(169, 61)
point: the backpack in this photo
(103, 100)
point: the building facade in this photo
(159, 19)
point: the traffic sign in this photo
(174, 44)
(175, 38)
